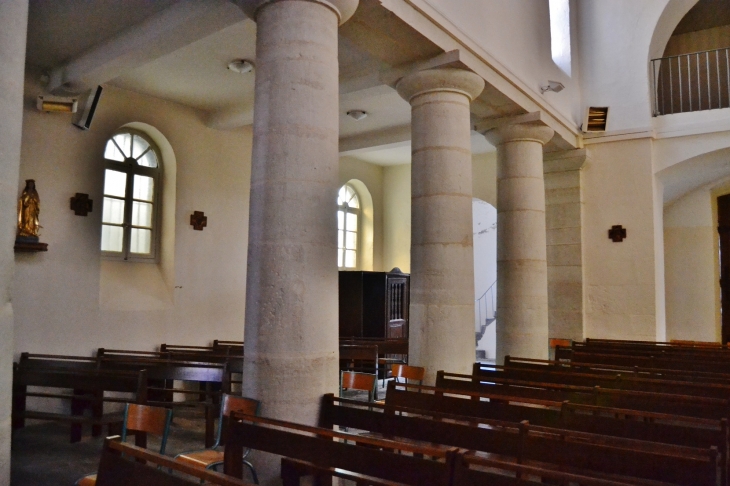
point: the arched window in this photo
(348, 214)
(130, 226)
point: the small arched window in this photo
(560, 34)
(348, 215)
(130, 222)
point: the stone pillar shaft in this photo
(522, 305)
(13, 26)
(442, 260)
(291, 334)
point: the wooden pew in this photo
(523, 442)
(86, 386)
(390, 351)
(324, 453)
(551, 374)
(125, 464)
(164, 372)
(656, 362)
(635, 424)
(318, 446)
(692, 406)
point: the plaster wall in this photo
(13, 23)
(701, 40)
(60, 303)
(517, 36)
(619, 278)
(371, 176)
(397, 217)
(691, 268)
(617, 39)
(484, 177)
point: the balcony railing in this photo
(691, 82)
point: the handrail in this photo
(695, 81)
(481, 323)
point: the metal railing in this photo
(485, 310)
(691, 82)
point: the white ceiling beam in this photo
(378, 139)
(167, 31)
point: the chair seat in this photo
(89, 480)
(202, 458)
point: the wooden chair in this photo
(350, 380)
(212, 457)
(414, 373)
(140, 420)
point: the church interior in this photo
(448, 242)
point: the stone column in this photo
(13, 25)
(522, 294)
(291, 332)
(442, 332)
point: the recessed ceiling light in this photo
(357, 115)
(241, 66)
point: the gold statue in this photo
(29, 205)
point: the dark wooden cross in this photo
(81, 204)
(199, 220)
(617, 233)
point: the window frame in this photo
(345, 208)
(131, 168)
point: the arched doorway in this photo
(485, 278)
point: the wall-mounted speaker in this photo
(87, 113)
(596, 119)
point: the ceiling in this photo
(178, 50)
(706, 14)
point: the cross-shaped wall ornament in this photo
(81, 204)
(199, 220)
(617, 233)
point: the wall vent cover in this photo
(596, 118)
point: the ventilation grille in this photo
(596, 119)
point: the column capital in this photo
(522, 132)
(441, 79)
(343, 8)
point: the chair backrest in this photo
(358, 381)
(232, 403)
(415, 373)
(147, 419)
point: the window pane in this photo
(111, 238)
(141, 214)
(141, 241)
(340, 220)
(148, 160)
(340, 239)
(111, 152)
(143, 187)
(349, 258)
(351, 222)
(342, 195)
(353, 202)
(339, 257)
(139, 145)
(113, 211)
(351, 240)
(115, 183)
(124, 141)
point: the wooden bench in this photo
(551, 374)
(677, 404)
(635, 424)
(125, 464)
(522, 442)
(85, 389)
(324, 453)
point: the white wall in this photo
(59, 306)
(690, 251)
(517, 35)
(617, 39)
(397, 217)
(619, 278)
(13, 22)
